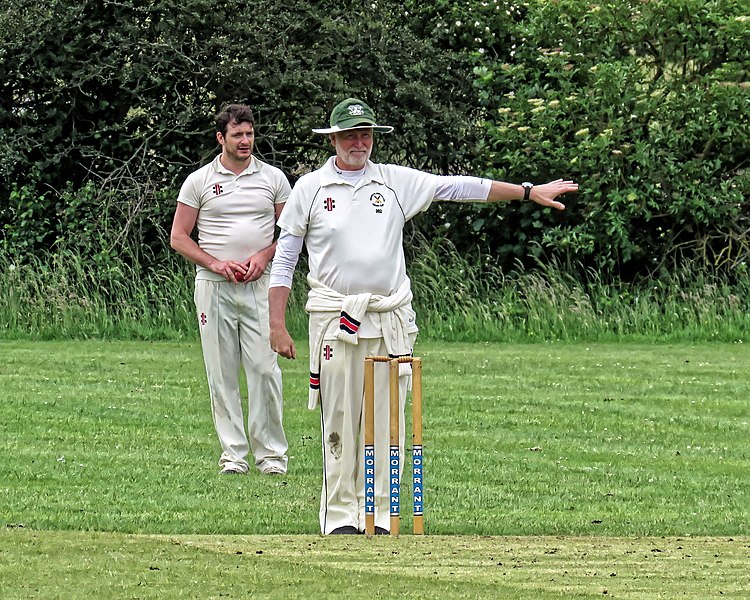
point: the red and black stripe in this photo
(348, 324)
(314, 381)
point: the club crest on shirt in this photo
(378, 202)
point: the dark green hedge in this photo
(647, 105)
(105, 106)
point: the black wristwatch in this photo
(527, 189)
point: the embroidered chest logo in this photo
(218, 189)
(378, 202)
(329, 204)
(328, 352)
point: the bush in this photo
(105, 107)
(113, 102)
(646, 105)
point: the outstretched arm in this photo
(544, 195)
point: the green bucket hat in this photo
(353, 114)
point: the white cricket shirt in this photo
(354, 233)
(236, 217)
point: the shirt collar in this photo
(251, 168)
(329, 174)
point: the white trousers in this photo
(342, 499)
(233, 322)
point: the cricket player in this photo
(350, 213)
(234, 202)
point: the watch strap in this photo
(527, 189)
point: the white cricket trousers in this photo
(233, 322)
(342, 499)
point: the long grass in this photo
(468, 298)
(69, 296)
(457, 299)
(66, 296)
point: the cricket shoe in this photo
(231, 472)
(273, 471)
(346, 529)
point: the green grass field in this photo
(562, 470)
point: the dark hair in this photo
(233, 113)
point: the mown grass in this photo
(552, 470)
(568, 439)
(578, 467)
(82, 565)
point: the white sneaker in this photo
(231, 471)
(274, 471)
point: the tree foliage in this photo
(646, 104)
(106, 105)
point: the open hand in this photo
(546, 194)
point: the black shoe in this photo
(381, 531)
(346, 529)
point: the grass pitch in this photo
(75, 565)
(551, 470)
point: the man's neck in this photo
(350, 176)
(234, 166)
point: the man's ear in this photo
(220, 137)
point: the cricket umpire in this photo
(350, 213)
(235, 201)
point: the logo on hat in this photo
(356, 110)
